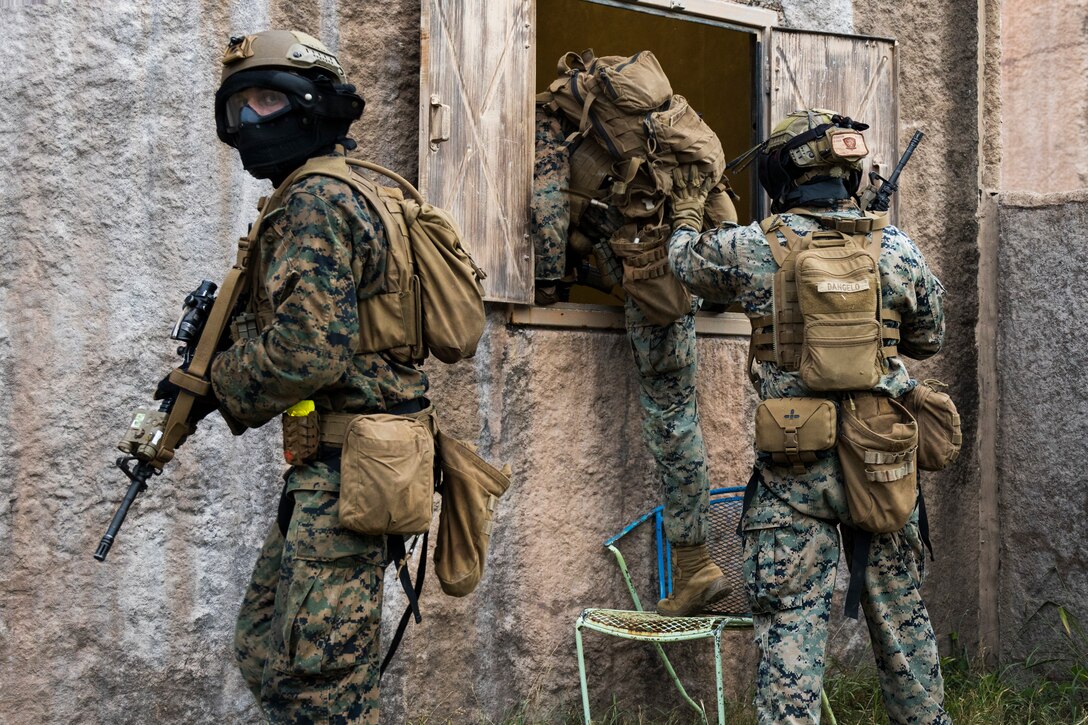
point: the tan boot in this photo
(696, 583)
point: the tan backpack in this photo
(828, 323)
(627, 105)
(433, 299)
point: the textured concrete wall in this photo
(1044, 78)
(119, 199)
(1042, 420)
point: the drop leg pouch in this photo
(877, 447)
(387, 474)
(647, 277)
(470, 489)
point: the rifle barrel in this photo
(139, 483)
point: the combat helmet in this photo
(283, 98)
(809, 146)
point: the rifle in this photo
(153, 435)
(879, 198)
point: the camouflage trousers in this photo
(307, 633)
(666, 362)
(790, 566)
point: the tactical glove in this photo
(689, 191)
(719, 204)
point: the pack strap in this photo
(859, 561)
(413, 592)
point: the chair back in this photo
(726, 505)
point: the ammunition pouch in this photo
(300, 438)
(878, 446)
(794, 430)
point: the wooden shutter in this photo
(476, 131)
(853, 75)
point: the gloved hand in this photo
(690, 187)
(202, 406)
(719, 204)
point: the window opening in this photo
(716, 65)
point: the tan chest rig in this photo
(827, 322)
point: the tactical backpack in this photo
(433, 299)
(642, 131)
(827, 321)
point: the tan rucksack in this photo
(627, 105)
(433, 299)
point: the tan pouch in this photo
(470, 489)
(838, 291)
(635, 84)
(387, 475)
(792, 430)
(647, 277)
(878, 443)
(939, 434)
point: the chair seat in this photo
(651, 626)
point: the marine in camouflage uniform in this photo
(791, 536)
(665, 357)
(307, 635)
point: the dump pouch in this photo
(939, 435)
(793, 430)
(470, 489)
(387, 474)
(647, 277)
(878, 443)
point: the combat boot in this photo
(697, 582)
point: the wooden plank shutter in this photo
(853, 75)
(476, 131)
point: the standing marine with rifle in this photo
(320, 321)
(837, 297)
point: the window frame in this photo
(742, 18)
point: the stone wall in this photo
(119, 199)
(1042, 422)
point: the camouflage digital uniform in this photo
(665, 357)
(791, 536)
(307, 633)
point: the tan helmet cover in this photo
(840, 150)
(289, 50)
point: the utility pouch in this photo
(680, 132)
(301, 433)
(939, 435)
(647, 277)
(470, 489)
(838, 291)
(387, 475)
(878, 444)
(792, 430)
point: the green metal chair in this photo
(637, 624)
